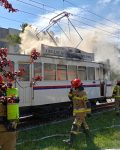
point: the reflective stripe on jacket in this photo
(81, 110)
(117, 96)
(79, 99)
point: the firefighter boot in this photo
(117, 113)
(86, 131)
(69, 141)
(74, 130)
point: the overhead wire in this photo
(95, 21)
(42, 4)
(92, 26)
(79, 27)
(113, 35)
(73, 15)
(92, 12)
(107, 34)
(10, 19)
(52, 12)
(33, 5)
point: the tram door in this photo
(103, 88)
(23, 83)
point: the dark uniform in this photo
(116, 95)
(80, 109)
(7, 138)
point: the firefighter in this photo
(7, 138)
(116, 95)
(80, 101)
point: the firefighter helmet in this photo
(1, 79)
(76, 83)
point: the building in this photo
(4, 42)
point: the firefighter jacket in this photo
(80, 100)
(3, 109)
(116, 91)
(2, 116)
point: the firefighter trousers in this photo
(8, 140)
(80, 121)
(117, 104)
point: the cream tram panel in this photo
(49, 92)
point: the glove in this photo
(70, 97)
(88, 104)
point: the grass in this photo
(106, 135)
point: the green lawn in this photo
(105, 133)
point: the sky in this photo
(30, 11)
(95, 24)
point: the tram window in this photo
(49, 71)
(37, 69)
(26, 73)
(61, 72)
(91, 73)
(72, 72)
(82, 73)
(97, 74)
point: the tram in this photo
(58, 66)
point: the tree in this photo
(23, 26)
(8, 6)
(14, 39)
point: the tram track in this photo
(31, 121)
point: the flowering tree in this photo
(10, 75)
(34, 56)
(8, 6)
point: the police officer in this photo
(116, 95)
(80, 109)
(7, 138)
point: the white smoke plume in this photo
(94, 40)
(29, 40)
(104, 47)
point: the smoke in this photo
(30, 40)
(104, 47)
(95, 39)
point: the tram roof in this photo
(66, 52)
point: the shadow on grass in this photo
(80, 143)
(101, 136)
(85, 143)
(107, 138)
(90, 144)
